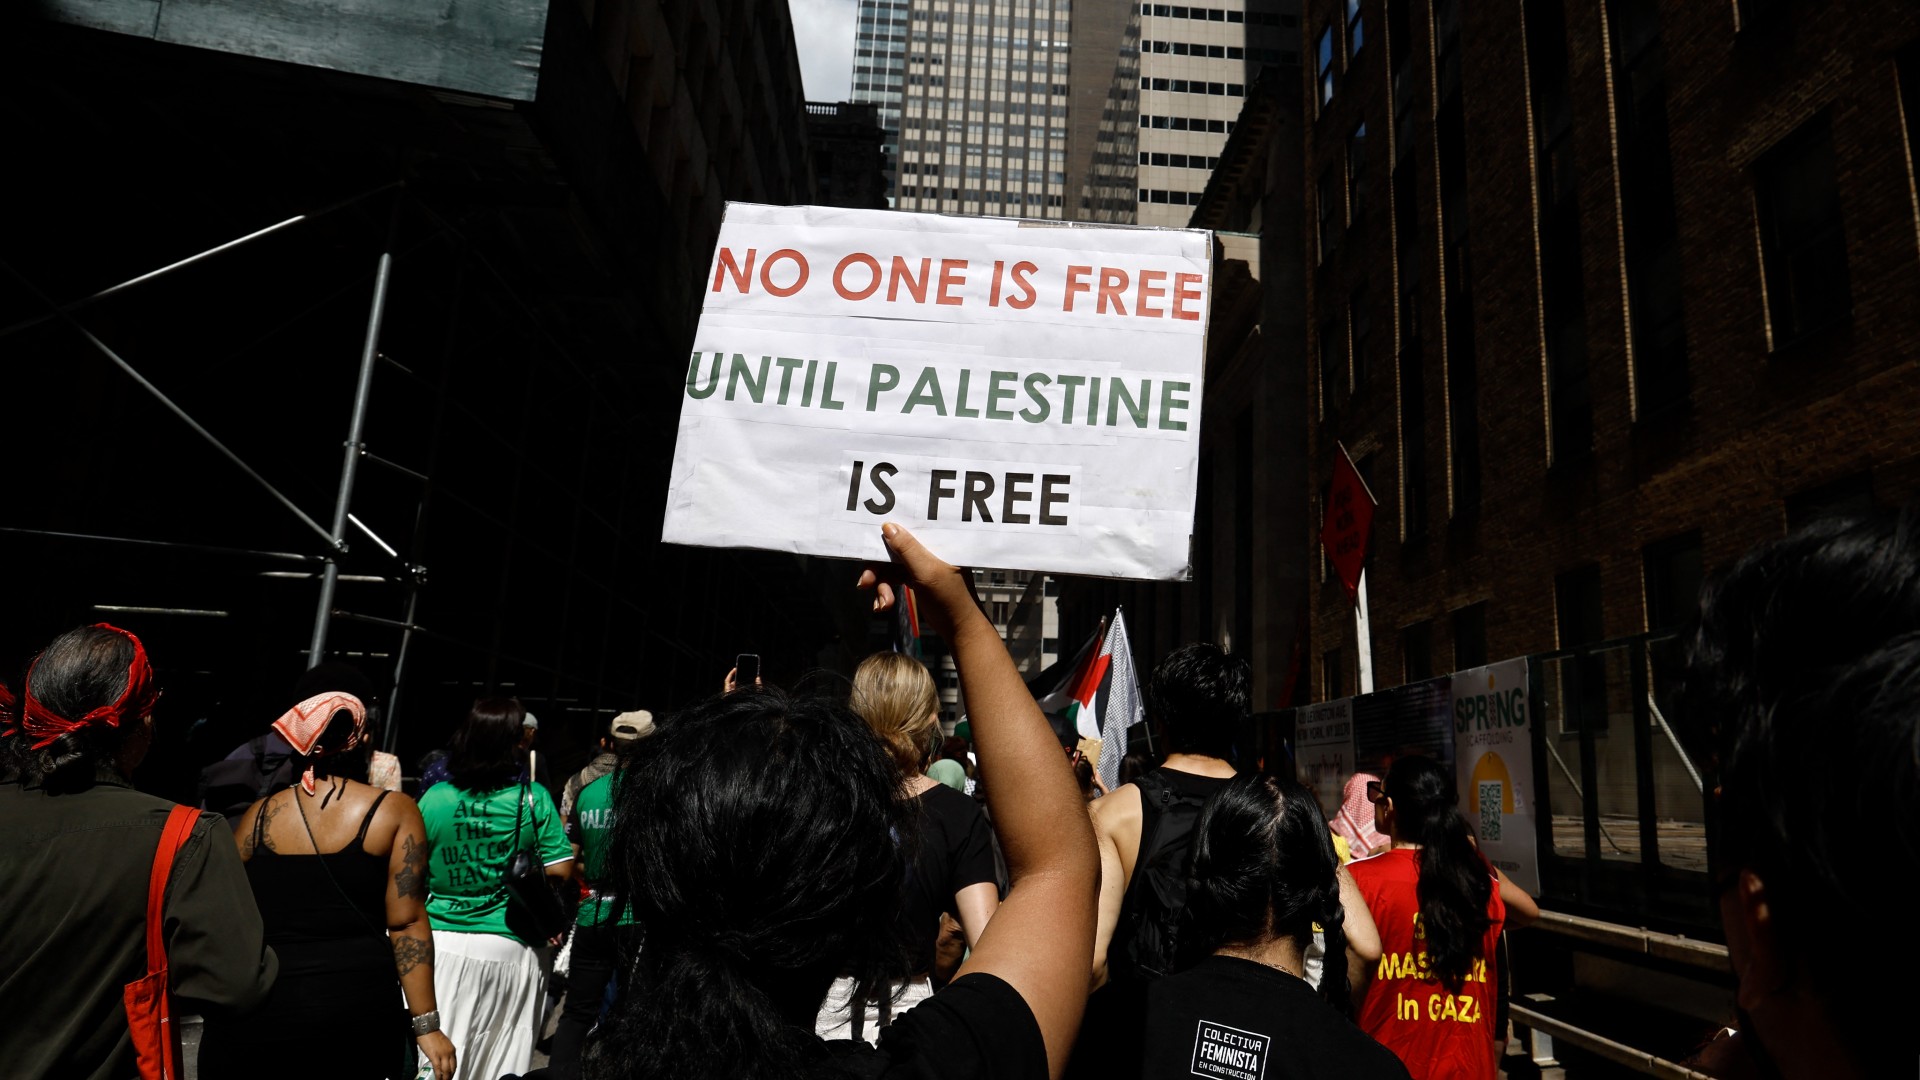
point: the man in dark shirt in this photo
(1198, 695)
(76, 850)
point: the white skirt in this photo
(489, 990)
(839, 1019)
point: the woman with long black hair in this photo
(1440, 907)
(760, 839)
(1263, 880)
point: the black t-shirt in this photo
(1224, 1019)
(955, 851)
(977, 1028)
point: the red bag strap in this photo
(172, 839)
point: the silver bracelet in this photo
(426, 1023)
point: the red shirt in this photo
(1439, 1034)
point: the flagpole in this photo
(1363, 635)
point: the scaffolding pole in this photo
(356, 429)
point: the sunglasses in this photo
(1376, 792)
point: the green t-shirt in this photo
(593, 831)
(471, 836)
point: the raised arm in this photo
(1041, 939)
(407, 925)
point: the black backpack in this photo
(1146, 941)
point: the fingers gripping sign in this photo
(912, 565)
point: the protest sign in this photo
(1493, 763)
(1019, 393)
(1323, 750)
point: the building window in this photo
(1651, 234)
(1333, 672)
(1359, 329)
(1416, 652)
(1469, 636)
(1849, 496)
(1324, 58)
(1356, 172)
(1577, 604)
(1562, 278)
(1671, 575)
(1332, 370)
(1803, 247)
(1356, 35)
(1908, 66)
(1413, 433)
(1331, 214)
(1457, 315)
(1576, 596)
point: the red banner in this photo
(1346, 522)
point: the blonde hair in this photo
(895, 695)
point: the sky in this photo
(823, 31)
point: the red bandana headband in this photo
(303, 724)
(42, 725)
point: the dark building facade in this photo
(1599, 296)
(849, 154)
(528, 198)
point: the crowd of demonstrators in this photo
(759, 838)
(949, 868)
(341, 883)
(1263, 883)
(77, 854)
(759, 870)
(489, 961)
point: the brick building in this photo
(1599, 295)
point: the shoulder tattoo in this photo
(410, 881)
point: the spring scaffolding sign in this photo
(1021, 394)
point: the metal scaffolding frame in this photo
(335, 539)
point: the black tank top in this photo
(315, 903)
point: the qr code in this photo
(1490, 793)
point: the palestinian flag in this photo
(1069, 701)
(1117, 702)
(908, 612)
(1100, 697)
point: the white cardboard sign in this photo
(1018, 393)
(1323, 750)
(1493, 762)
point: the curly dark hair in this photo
(761, 842)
